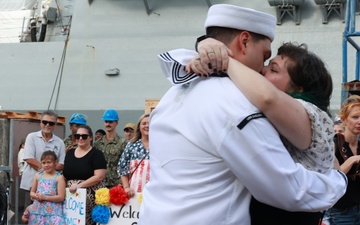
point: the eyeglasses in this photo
(83, 136)
(128, 130)
(48, 122)
(109, 121)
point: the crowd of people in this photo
(233, 141)
(51, 164)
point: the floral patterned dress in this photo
(319, 156)
(44, 212)
(133, 155)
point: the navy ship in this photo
(87, 56)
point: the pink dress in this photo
(44, 212)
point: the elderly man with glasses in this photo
(36, 144)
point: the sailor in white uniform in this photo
(211, 149)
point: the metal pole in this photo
(11, 155)
(344, 58)
(16, 200)
(352, 12)
(146, 4)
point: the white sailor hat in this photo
(240, 18)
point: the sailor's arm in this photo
(258, 158)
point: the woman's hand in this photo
(213, 57)
(130, 192)
(198, 68)
(73, 188)
(356, 159)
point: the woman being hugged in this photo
(347, 151)
(134, 167)
(294, 94)
(85, 167)
(48, 193)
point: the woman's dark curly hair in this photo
(308, 71)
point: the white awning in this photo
(11, 25)
(14, 14)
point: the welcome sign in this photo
(75, 207)
(127, 214)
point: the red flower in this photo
(118, 195)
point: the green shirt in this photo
(68, 142)
(112, 151)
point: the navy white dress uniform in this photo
(211, 149)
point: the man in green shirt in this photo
(75, 121)
(112, 145)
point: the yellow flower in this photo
(102, 197)
(140, 198)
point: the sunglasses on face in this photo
(83, 136)
(108, 121)
(48, 122)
